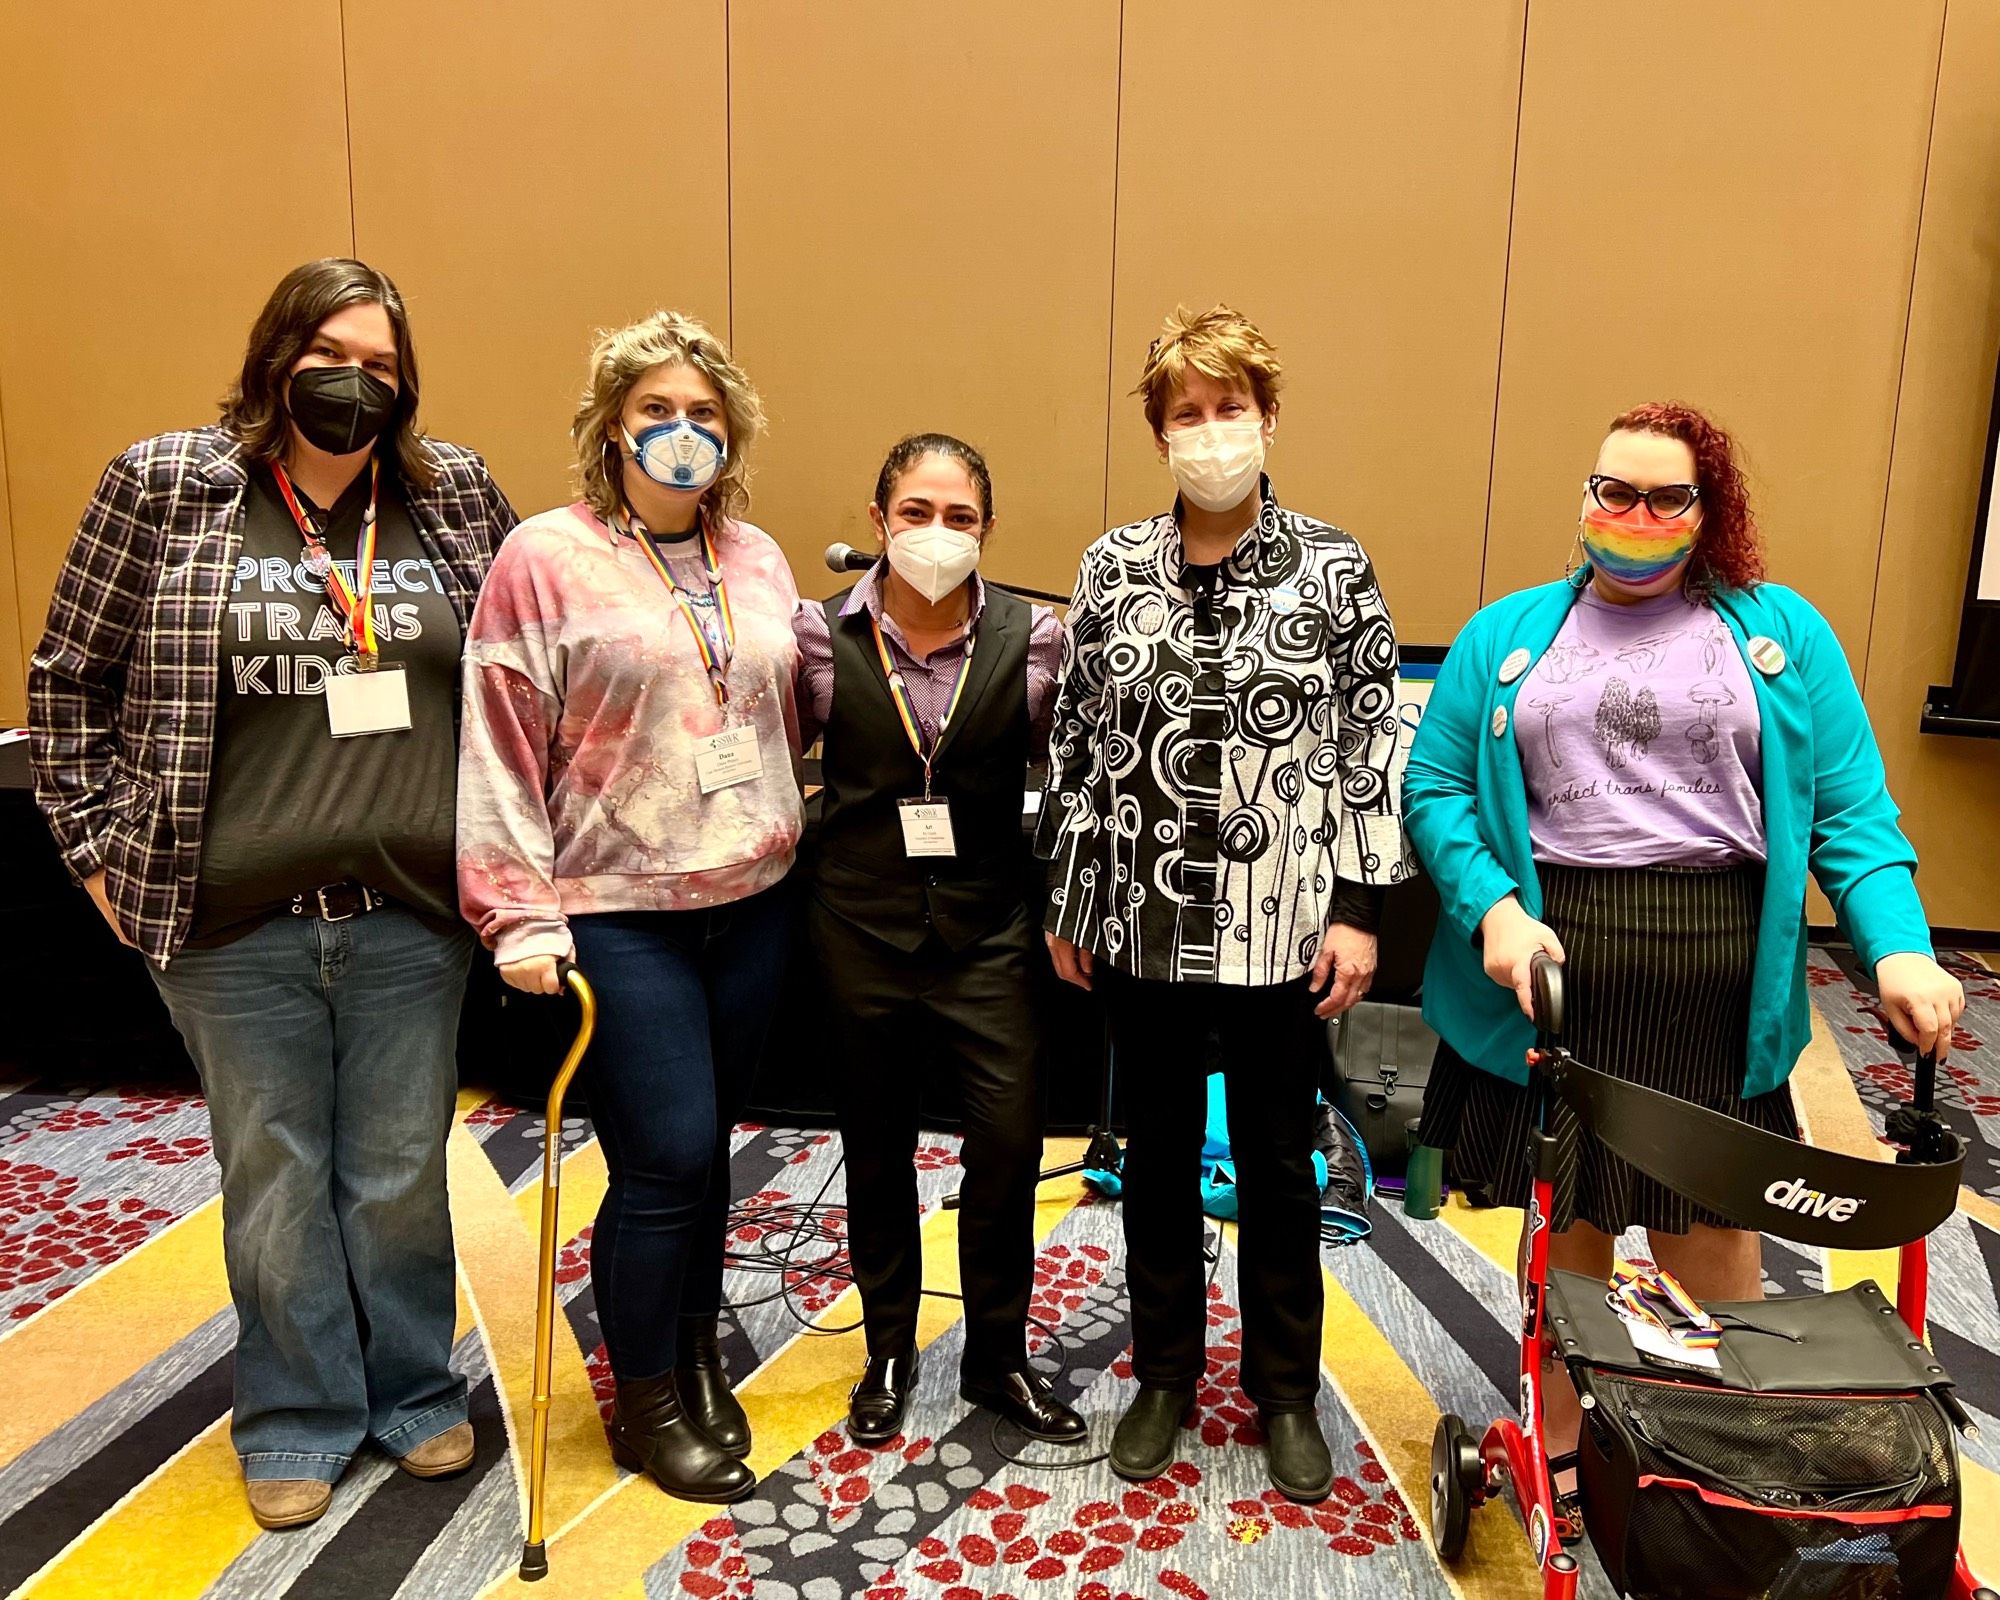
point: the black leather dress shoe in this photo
(1301, 1464)
(1148, 1435)
(1026, 1400)
(876, 1404)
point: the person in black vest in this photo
(932, 691)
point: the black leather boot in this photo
(704, 1388)
(1301, 1464)
(653, 1434)
(1148, 1435)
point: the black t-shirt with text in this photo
(290, 807)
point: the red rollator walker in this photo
(1806, 1451)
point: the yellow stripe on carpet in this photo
(1831, 1117)
(497, 1236)
(70, 1355)
(1398, 1416)
(793, 1398)
(181, 1528)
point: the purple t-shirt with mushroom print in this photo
(1639, 740)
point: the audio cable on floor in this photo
(780, 1229)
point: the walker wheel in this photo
(1456, 1480)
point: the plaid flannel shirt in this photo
(122, 688)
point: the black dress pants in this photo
(1271, 1045)
(897, 1015)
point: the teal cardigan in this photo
(1826, 806)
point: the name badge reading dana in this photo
(367, 702)
(926, 827)
(725, 759)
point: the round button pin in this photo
(1515, 664)
(1499, 721)
(1767, 656)
(1285, 600)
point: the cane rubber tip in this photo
(534, 1561)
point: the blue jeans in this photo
(327, 1051)
(684, 1001)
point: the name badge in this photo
(725, 759)
(926, 827)
(367, 702)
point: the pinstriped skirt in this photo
(1659, 972)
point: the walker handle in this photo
(1546, 979)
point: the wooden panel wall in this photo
(524, 191)
(1740, 238)
(1947, 786)
(1357, 212)
(1470, 246)
(152, 195)
(921, 225)
(13, 654)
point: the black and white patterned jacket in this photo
(1219, 759)
(122, 688)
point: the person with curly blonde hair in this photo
(627, 797)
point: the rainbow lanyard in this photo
(1658, 1298)
(717, 667)
(348, 599)
(899, 691)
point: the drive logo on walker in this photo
(1791, 1194)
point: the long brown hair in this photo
(254, 409)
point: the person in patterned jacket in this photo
(243, 716)
(1221, 817)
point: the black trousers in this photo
(898, 1015)
(1270, 1048)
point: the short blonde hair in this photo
(619, 360)
(1220, 343)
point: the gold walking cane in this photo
(534, 1551)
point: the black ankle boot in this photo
(704, 1390)
(1149, 1433)
(651, 1433)
(1301, 1464)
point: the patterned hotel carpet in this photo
(116, 1476)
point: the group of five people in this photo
(309, 702)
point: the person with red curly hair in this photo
(1634, 769)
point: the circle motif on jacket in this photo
(1245, 834)
(1270, 710)
(1298, 635)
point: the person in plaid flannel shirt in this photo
(293, 891)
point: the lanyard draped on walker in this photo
(899, 691)
(717, 666)
(350, 601)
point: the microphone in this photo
(845, 558)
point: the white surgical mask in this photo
(934, 559)
(1217, 463)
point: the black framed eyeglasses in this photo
(1666, 502)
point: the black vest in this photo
(867, 766)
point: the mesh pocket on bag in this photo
(1697, 1490)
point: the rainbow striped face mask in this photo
(1635, 548)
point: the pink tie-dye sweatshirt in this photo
(585, 705)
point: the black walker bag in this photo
(1817, 1459)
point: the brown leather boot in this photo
(287, 1502)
